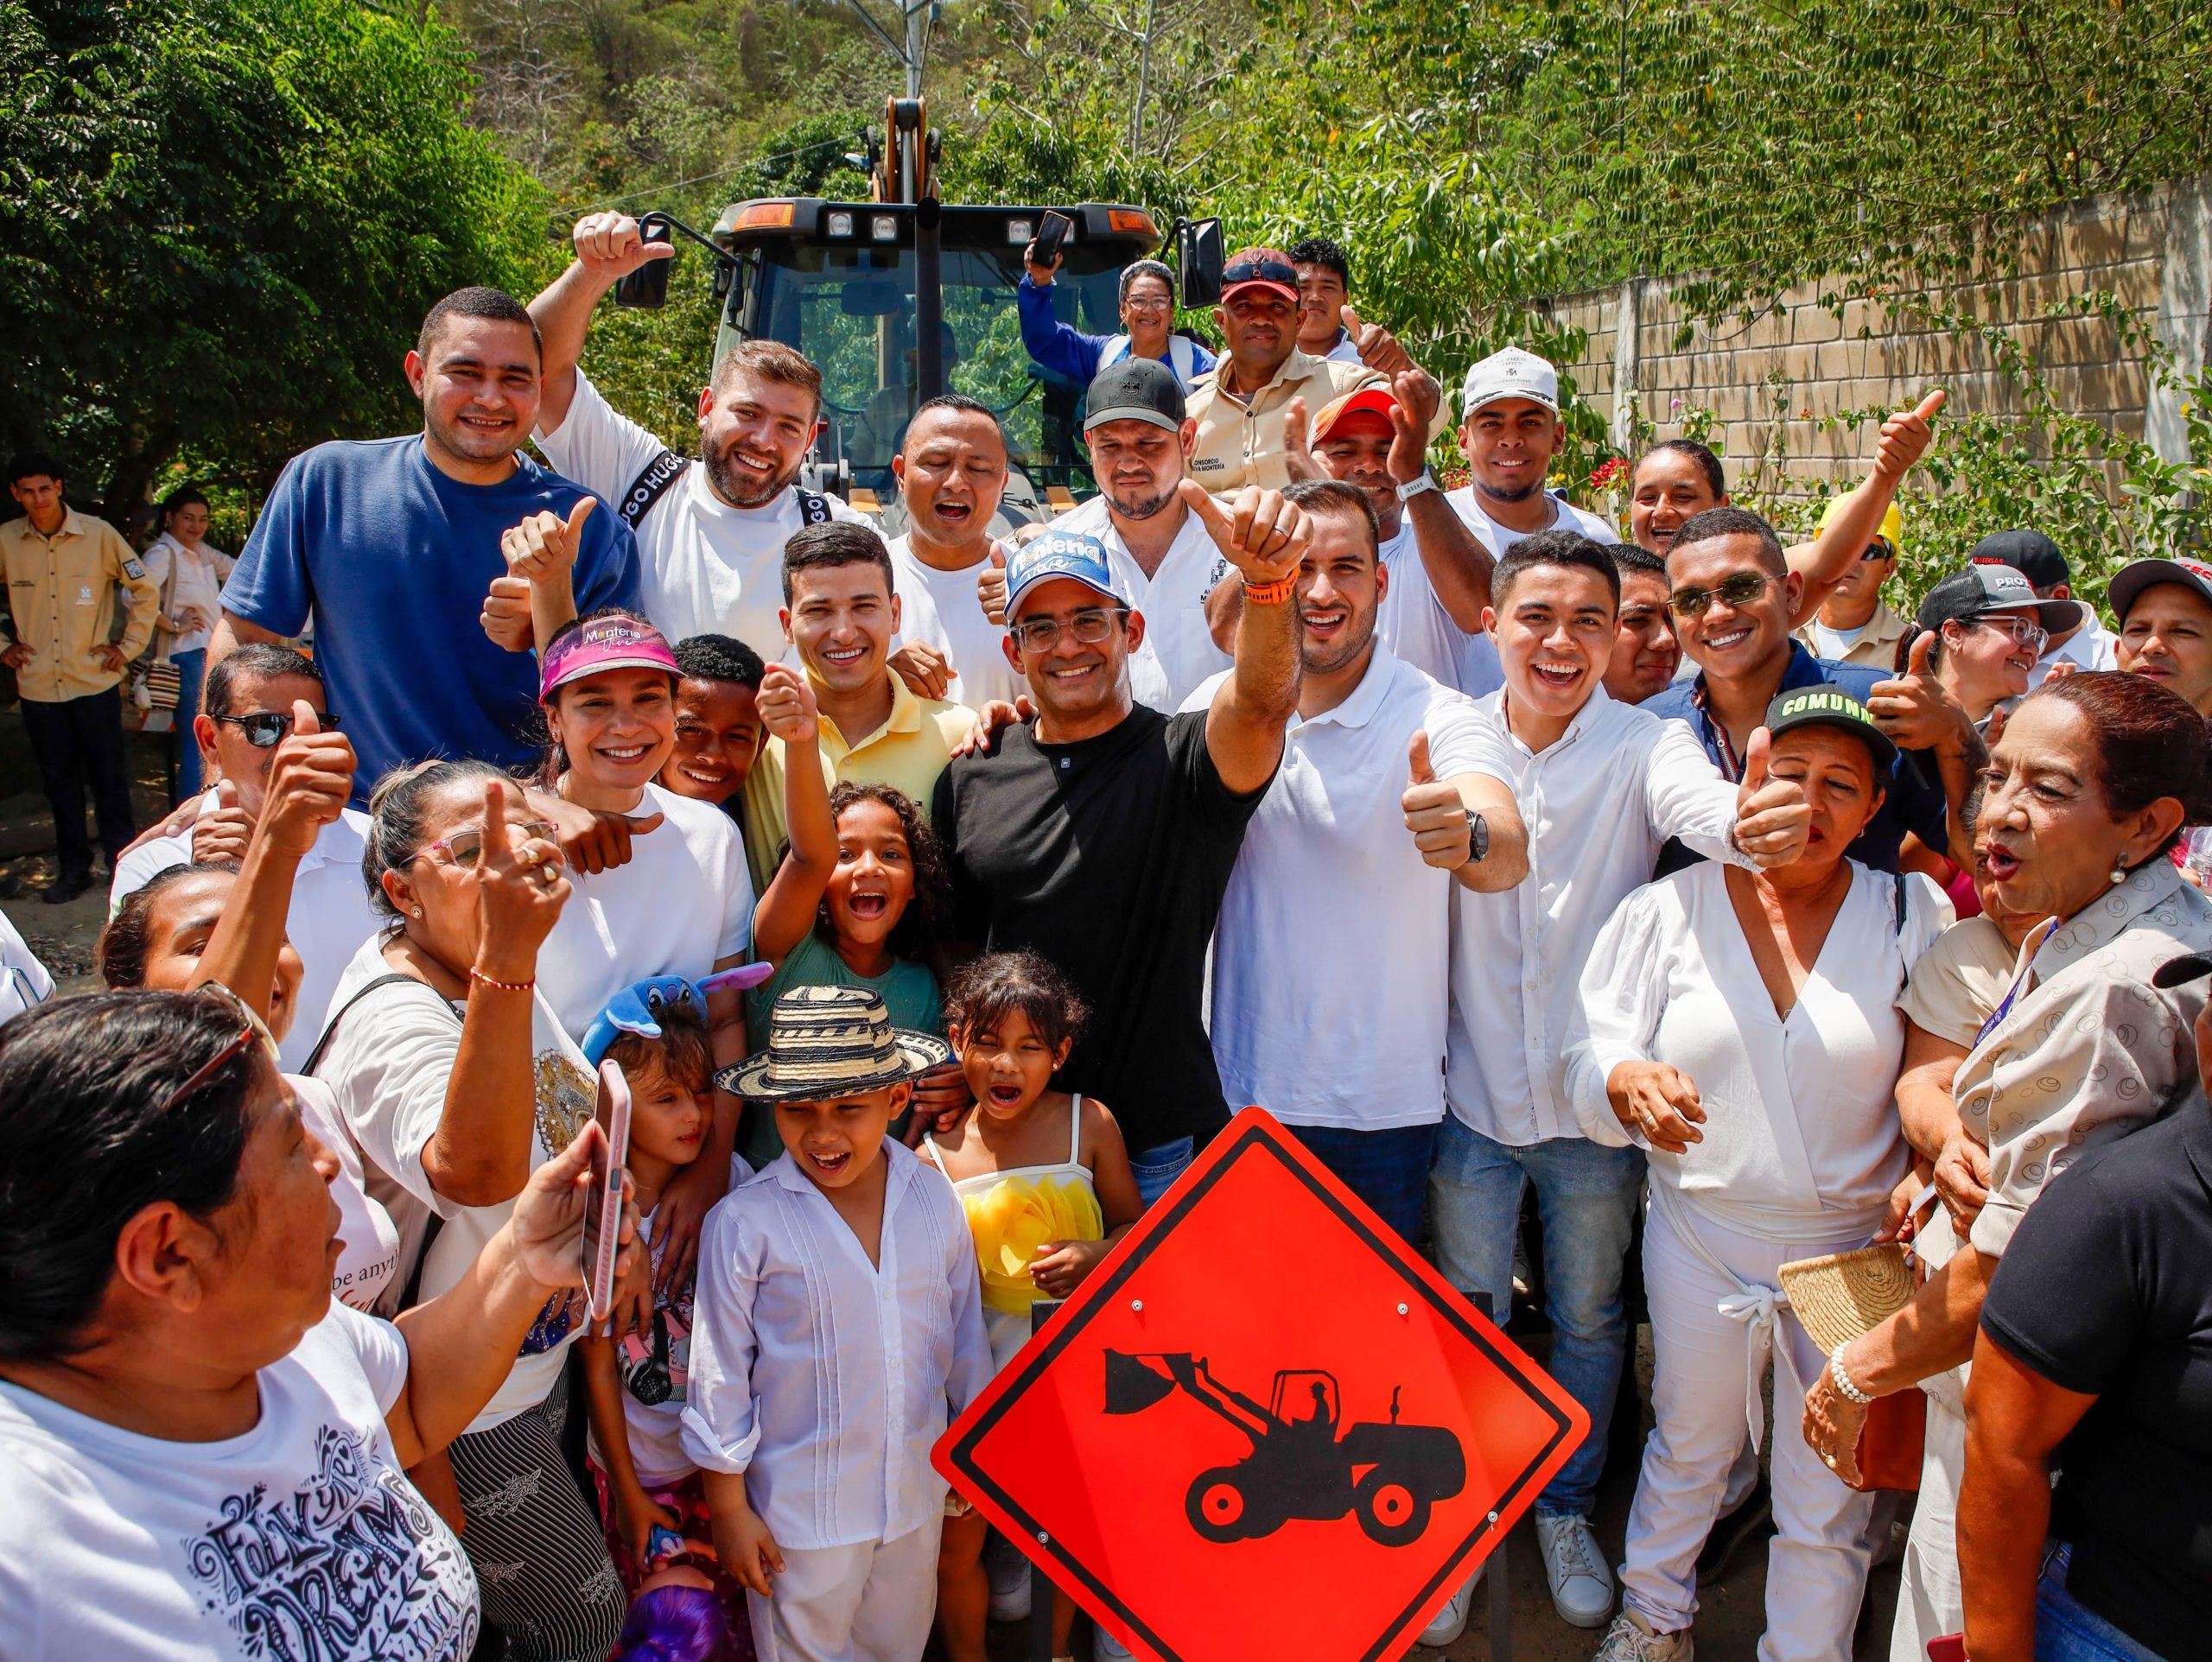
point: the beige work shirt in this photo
(61, 604)
(2088, 1051)
(1241, 444)
(1877, 645)
(1960, 980)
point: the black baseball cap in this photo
(2176, 971)
(2031, 554)
(1986, 589)
(2131, 579)
(1135, 389)
(1822, 705)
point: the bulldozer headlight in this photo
(884, 228)
(841, 225)
(1021, 232)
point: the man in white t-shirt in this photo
(951, 470)
(1508, 432)
(1377, 799)
(711, 530)
(245, 713)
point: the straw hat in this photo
(1842, 1295)
(831, 1041)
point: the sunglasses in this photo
(1259, 271)
(250, 1029)
(1877, 549)
(465, 848)
(2023, 632)
(1089, 626)
(1740, 590)
(266, 729)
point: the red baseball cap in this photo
(1368, 401)
(599, 644)
(1259, 268)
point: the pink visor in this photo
(602, 644)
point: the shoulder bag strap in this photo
(330, 1027)
(650, 486)
(812, 510)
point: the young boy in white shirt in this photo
(837, 1330)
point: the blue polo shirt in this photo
(392, 558)
(1915, 800)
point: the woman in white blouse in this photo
(190, 573)
(1741, 1026)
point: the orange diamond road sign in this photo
(1264, 1427)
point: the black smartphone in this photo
(647, 286)
(1052, 230)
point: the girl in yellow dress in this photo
(1046, 1184)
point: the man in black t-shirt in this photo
(2094, 1357)
(1102, 836)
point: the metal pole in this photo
(1043, 1590)
(1500, 1589)
(914, 48)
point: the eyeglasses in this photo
(1259, 271)
(266, 729)
(1877, 549)
(465, 848)
(1146, 303)
(2023, 632)
(1739, 590)
(1089, 626)
(250, 1028)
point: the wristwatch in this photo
(1478, 835)
(1408, 493)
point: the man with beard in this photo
(710, 535)
(390, 544)
(1375, 744)
(1510, 431)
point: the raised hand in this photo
(990, 585)
(1772, 817)
(1416, 395)
(310, 780)
(1260, 534)
(1040, 275)
(519, 892)
(220, 836)
(1377, 347)
(1297, 442)
(1658, 1102)
(543, 548)
(1435, 813)
(1906, 436)
(1913, 708)
(610, 246)
(786, 705)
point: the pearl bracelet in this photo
(1843, 1379)
(476, 974)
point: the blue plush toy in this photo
(637, 1009)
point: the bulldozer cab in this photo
(1305, 1397)
(838, 282)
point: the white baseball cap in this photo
(1512, 373)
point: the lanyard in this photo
(2020, 982)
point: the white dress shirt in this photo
(1332, 956)
(2091, 647)
(823, 1378)
(1801, 1112)
(1173, 599)
(1599, 804)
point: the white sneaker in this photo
(1582, 1587)
(1452, 1620)
(1630, 1641)
(1010, 1576)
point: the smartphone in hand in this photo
(603, 1206)
(1052, 231)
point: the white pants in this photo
(1816, 1565)
(1930, 1603)
(872, 1603)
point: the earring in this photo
(418, 911)
(2119, 875)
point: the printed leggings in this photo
(539, 1554)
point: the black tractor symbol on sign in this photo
(1301, 1465)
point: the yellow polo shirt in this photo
(1241, 443)
(61, 603)
(906, 753)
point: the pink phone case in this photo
(603, 1219)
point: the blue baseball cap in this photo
(1060, 553)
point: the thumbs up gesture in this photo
(990, 584)
(220, 835)
(1906, 436)
(1259, 533)
(542, 549)
(1435, 813)
(310, 779)
(1297, 442)
(1913, 708)
(1377, 347)
(1772, 817)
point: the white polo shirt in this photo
(941, 608)
(1414, 623)
(1598, 805)
(1331, 958)
(1173, 599)
(330, 916)
(704, 567)
(2092, 647)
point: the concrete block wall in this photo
(1819, 349)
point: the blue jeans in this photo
(1389, 1170)
(190, 667)
(2069, 1631)
(1587, 1197)
(1157, 1168)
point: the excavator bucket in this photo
(1133, 1385)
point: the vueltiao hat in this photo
(827, 1042)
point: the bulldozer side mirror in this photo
(1198, 260)
(647, 286)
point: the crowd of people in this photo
(939, 898)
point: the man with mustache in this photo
(710, 533)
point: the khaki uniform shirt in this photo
(61, 604)
(1877, 645)
(1241, 444)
